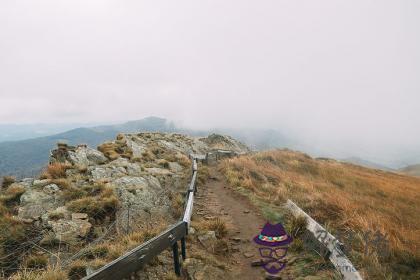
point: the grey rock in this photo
(33, 204)
(142, 197)
(137, 148)
(207, 239)
(129, 168)
(41, 183)
(85, 156)
(158, 171)
(99, 173)
(175, 167)
(27, 182)
(195, 269)
(191, 231)
(51, 189)
(69, 231)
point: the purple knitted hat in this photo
(273, 235)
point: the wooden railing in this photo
(336, 255)
(135, 259)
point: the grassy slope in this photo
(412, 170)
(26, 158)
(348, 199)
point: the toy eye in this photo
(280, 252)
(265, 252)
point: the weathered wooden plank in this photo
(198, 156)
(139, 256)
(194, 167)
(337, 257)
(191, 187)
(189, 209)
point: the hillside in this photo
(353, 202)
(16, 132)
(412, 170)
(367, 163)
(89, 206)
(25, 158)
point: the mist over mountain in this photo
(27, 157)
(15, 132)
(367, 163)
(412, 170)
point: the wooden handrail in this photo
(136, 258)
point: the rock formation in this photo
(133, 183)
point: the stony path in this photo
(243, 220)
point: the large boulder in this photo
(70, 231)
(85, 156)
(142, 199)
(137, 148)
(34, 203)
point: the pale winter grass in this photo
(346, 197)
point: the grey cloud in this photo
(340, 75)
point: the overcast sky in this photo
(332, 72)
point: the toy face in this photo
(273, 258)
(274, 253)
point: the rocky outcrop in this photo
(132, 183)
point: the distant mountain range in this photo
(366, 163)
(27, 157)
(15, 132)
(412, 170)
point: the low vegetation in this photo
(55, 170)
(351, 201)
(116, 149)
(7, 181)
(98, 206)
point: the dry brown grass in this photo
(109, 150)
(203, 174)
(103, 203)
(116, 149)
(55, 170)
(217, 225)
(7, 181)
(113, 249)
(177, 204)
(346, 197)
(48, 274)
(12, 195)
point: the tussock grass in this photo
(203, 174)
(177, 204)
(7, 181)
(346, 197)
(55, 170)
(116, 149)
(13, 233)
(217, 225)
(36, 262)
(11, 195)
(48, 274)
(98, 206)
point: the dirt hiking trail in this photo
(216, 199)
